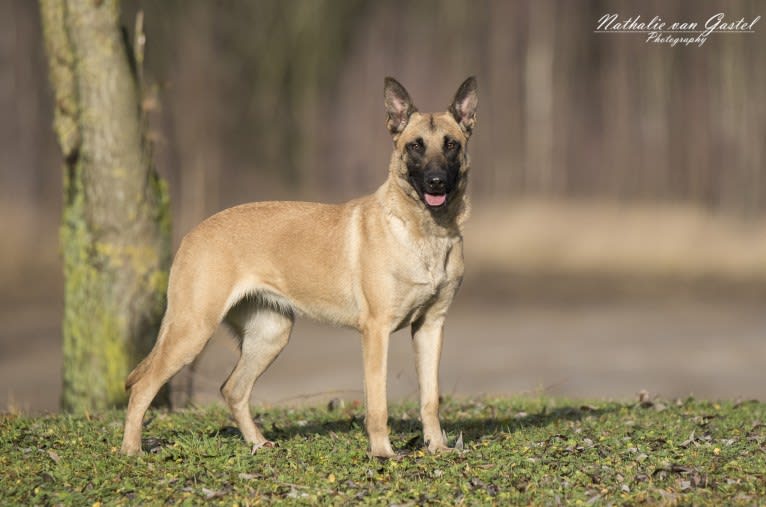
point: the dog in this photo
(376, 264)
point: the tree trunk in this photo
(115, 231)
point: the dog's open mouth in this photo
(435, 200)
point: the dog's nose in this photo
(435, 182)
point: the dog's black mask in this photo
(434, 172)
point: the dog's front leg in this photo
(427, 341)
(375, 352)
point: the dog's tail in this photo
(140, 370)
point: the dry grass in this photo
(586, 238)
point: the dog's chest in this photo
(425, 269)
(433, 260)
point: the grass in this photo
(518, 451)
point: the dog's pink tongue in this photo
(435, 200)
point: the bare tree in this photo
(116, 228)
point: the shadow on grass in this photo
(472, 427)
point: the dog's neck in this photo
(400, 200)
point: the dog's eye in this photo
(450, 145)
(416, 145)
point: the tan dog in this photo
(376, 264)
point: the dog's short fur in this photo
(376, 264)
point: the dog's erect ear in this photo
(399, 106)
(463, 107)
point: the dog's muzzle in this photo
(435, 191)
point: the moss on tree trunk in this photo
(115, 232)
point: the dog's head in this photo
(431, 146)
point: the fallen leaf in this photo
(476, 482)
(54, 456)
(675, 468)
(689, 441)
(211, 494)
(294, 493)
(593, 499)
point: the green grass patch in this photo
(518, 451)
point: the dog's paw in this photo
(260, 445)
(383, 450)
(128, 450)
(396, 456)
(442, 448)
(439, 444)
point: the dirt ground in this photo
(569, 345)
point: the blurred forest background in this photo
(602, 165)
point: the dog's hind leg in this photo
(180, 340)
(264, 333)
